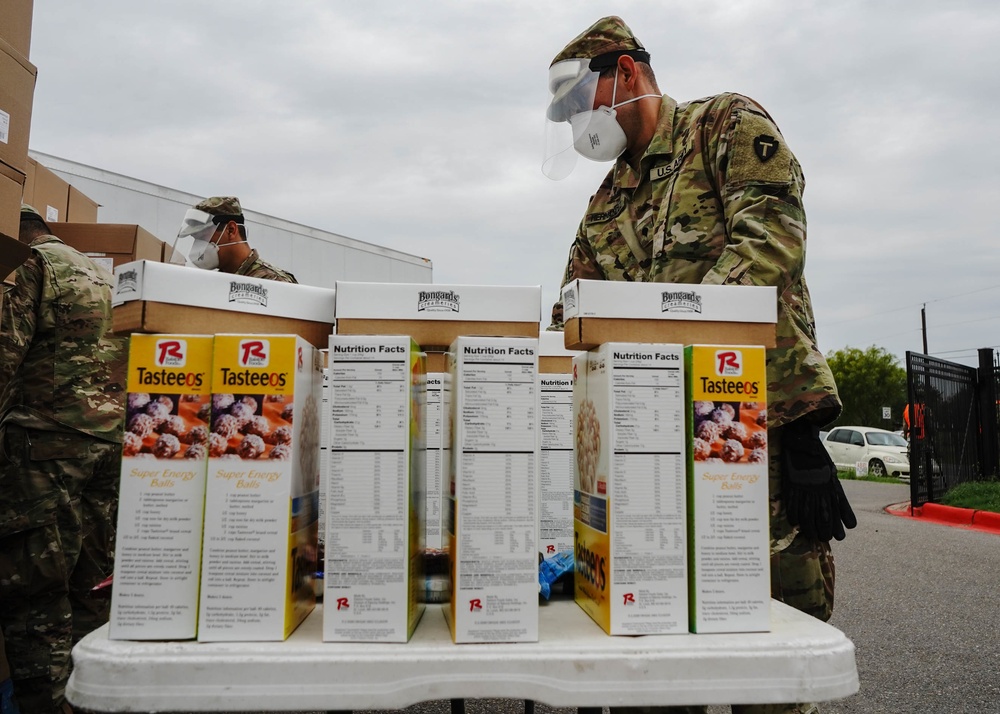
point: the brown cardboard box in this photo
(119, 242)
(45, 192)
(585, 333)
(143, 316)
(437, 361)
(17, 91)
(16, 26)
(436, 334)
(554, 365)
(172, 256)
(80, 208)
(11, 183)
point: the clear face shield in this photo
(573, 85)
(198, 227)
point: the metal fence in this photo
(953, 423)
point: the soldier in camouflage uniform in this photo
(702, 192)
(220, 240)
(62, 387)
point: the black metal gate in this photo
(953, 423)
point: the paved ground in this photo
(918, 599)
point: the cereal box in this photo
(375, 491)
(555, 464)
(261, 503)
(629, 488)
(162, 496)
(728, 489)
(438, 452)
(492, 508)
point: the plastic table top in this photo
(573, 664)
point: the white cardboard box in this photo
(262, 493)
(729, 544)
(434, 315)
(492, 493)
(162, 494)
(555, 464)
(629, 480)
(600, 311)
(669, 301)
(374, 528)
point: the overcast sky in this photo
(418, 126)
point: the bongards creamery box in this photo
(162, 494)
(599, 311)
(629, 481)
(491, 496)
(728, 489)
(375, 490)
(261, 502)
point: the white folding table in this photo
(573, 664)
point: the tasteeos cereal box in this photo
(261, 502)
(162, 494)
(629, 488)
(491, 504)
(373, 577)
(728, 489)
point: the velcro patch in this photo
(757, 152)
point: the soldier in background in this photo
(62, 375)
(708, 192)
(219, 236)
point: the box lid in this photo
(423, 301)
(553, 344)
(669, 301)
(180, 285)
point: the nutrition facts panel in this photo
(648, 498)
(368, 487)
(556, 463)
(496, 491)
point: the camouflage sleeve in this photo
(761, 185)
(20, 315)
(582, 264)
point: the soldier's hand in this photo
(813, 496)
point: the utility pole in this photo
(923, 324)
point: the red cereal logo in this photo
(343, 604)
(728, 363)
(171, 353)
(550, 548)
(629, 599)
(254, 353)
(475, 605)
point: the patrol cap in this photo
(28, 213)
(603, 43)
(222, 206)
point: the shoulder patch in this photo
(757, 152)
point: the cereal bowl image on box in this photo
(731, 432)
(166, 426)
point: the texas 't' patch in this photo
(758, 152)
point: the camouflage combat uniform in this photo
(717, 199)
(254, 267)
(61, 390)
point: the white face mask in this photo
(597, 135)
(205, 254)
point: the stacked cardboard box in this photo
(17, 89)
(159, 297)
(112, 244)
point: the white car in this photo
(885, 452)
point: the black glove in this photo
(813, 496)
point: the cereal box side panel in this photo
(729, 582)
